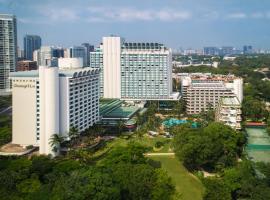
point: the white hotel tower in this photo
(134, 71)
(51, 100)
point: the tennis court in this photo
(258, 148)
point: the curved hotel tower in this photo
(54, 100)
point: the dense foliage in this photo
(212, 148)
(240, 182)
(124, 174)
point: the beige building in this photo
(51, 100)
(203, 91)
(229, 112)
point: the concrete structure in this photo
(203, 91)
(31, 43)
(54, 101)
(134, 71)
(44, 57)
(79, 52)
(8, 50)
(229, 112)
(70, 63)
(26, 65)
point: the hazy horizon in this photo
(176, 23)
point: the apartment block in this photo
(229, 112)
(203, 91)
(8, 50)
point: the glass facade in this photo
(8, 49)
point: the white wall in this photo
(112, 68)
(64, 106)
(49, 105)
(70, 63)
(24, 111)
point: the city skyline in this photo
(213, 23)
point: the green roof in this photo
(112, 108)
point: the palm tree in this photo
(56, 141)
(73, 132)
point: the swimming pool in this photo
(174, 122)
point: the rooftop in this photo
(63, 72)
(230, 101)
(114, 108)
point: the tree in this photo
(73, 132)
(213, 147)
(254, 109)
(56, 142)
(216, 190)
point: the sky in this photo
(175, 23)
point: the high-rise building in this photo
(54, 99)
(31, 43)
(211, 51)
(8, 50)
(44, 56)
(227, 50)
(229, 112)
(79, 52)
(58, 52)
(134, 71)
(203, 91)
(247, 49)
(89, 48)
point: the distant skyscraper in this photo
(211, 51)
(8, 50)
(58, 52)
(79, 52)
(31, 43)
(44, 56)
(247, 49)
(226, 50)
(89, 48)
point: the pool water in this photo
(174, 122)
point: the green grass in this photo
(187, 185)
(145, 141)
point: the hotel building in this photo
(54, 99)
(203, 91)
(229, 112)
(8, 50)
(134, 71)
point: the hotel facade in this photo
(54, 100)
(204, 91)
(133, 71)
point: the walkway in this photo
(159, 154)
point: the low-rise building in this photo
(26, 65)
(203, 91)
(229, 112)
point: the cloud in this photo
(126, 14)
(238, 15)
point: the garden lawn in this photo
(188, 186)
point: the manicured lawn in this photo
(187, 185)
(145, 141)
